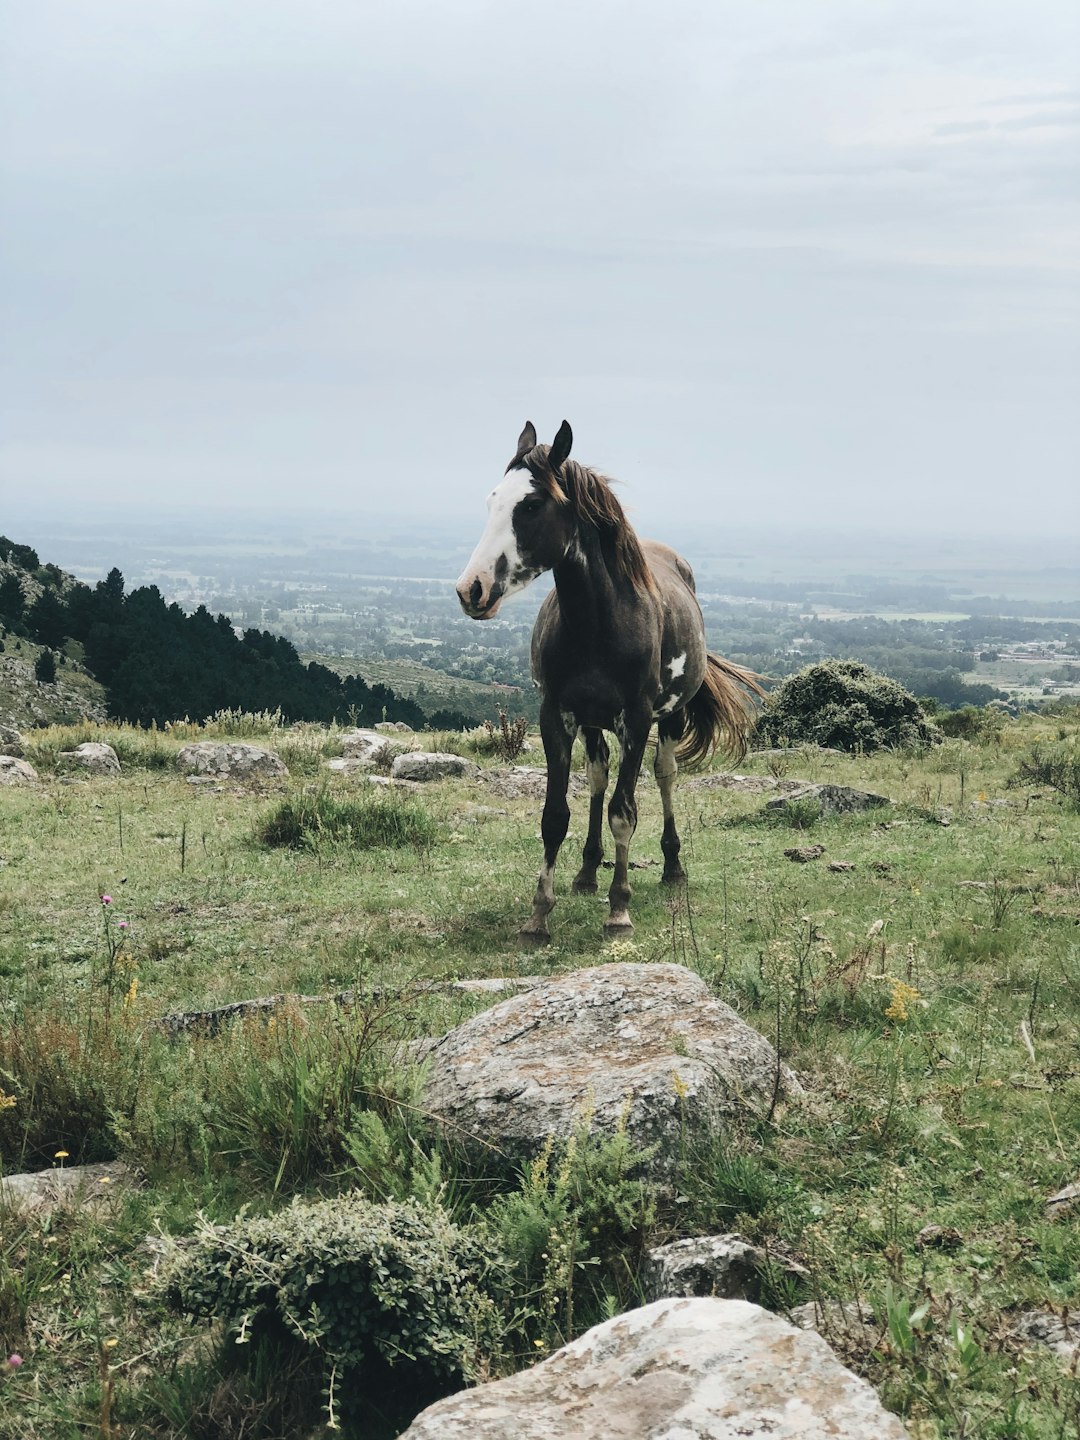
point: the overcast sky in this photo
(814, 260)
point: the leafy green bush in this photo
(358, 1285)
(971, 722)
(845, 705)
(314, 817)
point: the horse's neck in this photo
(590, 592)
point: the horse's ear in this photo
(560, 446)
(526, 440)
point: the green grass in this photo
(954, 1101)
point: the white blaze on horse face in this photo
(496, 560)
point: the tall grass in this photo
(317, 817)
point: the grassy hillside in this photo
(929, 996)
(435, 689)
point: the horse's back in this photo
(664, 560)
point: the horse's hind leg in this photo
(665, 768)
(596, 768)
(558, 743)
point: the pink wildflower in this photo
(106, 899)
(122, 925)
(14, 1361)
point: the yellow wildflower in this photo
(7, 1102)
(902, 998)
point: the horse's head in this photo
(530, 525)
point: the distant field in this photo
(409, 677)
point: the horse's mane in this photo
(595, 505)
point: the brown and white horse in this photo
(619, 645)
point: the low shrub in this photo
(361, 1287)
(316, 817)
(844, 705)
(1055, 766)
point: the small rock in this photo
(427, 765)
(696, 1369)
(833, 799)
(1046, 1327)
(839, 867)
(394, 727)
(43, 1191)
(802, 853)
(11, 741)
(14, 771)
(92, 756)
(942, 816)
(371, 747)
(842, 1321)
(1064, 1201)
(939, 1237)
(721, 1265)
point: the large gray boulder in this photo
(642, 1045)
(92, 756)
(371, 747)
(230, 759)
(674, 1370)
(424, 765)
(14, 771)
(10, 741)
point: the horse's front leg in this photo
(596, 768)
(558, 740)
(622, 817)
(665, 768)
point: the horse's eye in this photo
(532, 503)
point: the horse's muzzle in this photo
(480, 596)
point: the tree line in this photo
(158, 663)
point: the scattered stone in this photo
(1064, 1201)
(840, 867)
(426, 765)
(94, 757)
(372, 747)
(939, 1237)
(14, 771)
(743, 784)
(674, 1370)
(721, 1265)
(641, 1046)
(802, 853)
(847, 1323)
(43, 1191)
(387, 783)
(942, 816)
(1048, 1328)
(11, 742)
(520, 782)
(231, 760)
(833, 799)
(203, 780)
(881, 867)
(394, 727)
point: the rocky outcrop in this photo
(831, 799)
(372, 747)
(425, 765)
(10, 741)
(93, 757)
(645, 1046)
(14, 771)
(231, 760)
(43, 1191)
(674, 1370)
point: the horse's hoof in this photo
(584, 887)
(618, 926)
(532, 935)
(676, 877)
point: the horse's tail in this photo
(722, 714)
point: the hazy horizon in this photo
(809, 265)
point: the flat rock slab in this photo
(372, 747)
(231, 759)
(43, 1191)
(743, 784)
(14, 771)
(426, 765)
(674, 1370)
(832, 799)
(93, 757)
(521, 782)
(642, 1045)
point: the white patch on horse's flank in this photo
(671, 703)
(677, 665)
